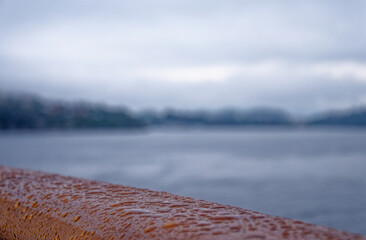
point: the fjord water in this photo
(315, 175)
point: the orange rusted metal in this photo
(36, 205)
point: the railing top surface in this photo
(39, 205)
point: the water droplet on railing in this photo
(169, 225)
(149, 229)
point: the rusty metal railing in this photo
(36, 205)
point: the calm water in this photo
(318, 175)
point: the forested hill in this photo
(20, 112)
(228, 117)
(353, 117)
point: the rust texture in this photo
(36, 205)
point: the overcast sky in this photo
(303, 56)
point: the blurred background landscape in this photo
(260, 105)
(30, 112)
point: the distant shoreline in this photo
(32, 113)
(171, 129)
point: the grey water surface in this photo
(315, 175)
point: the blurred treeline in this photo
(30, 112)
(27, 112)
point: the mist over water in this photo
(315, 175)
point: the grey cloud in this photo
(69, 49)
(197, 31)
